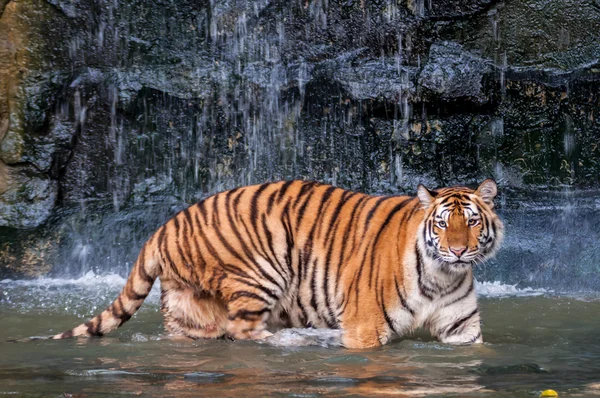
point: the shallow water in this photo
(534, 340)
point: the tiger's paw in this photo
(247, 329)
(463, 339)
(260, 335)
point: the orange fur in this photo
(302, 254)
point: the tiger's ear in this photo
(425, 195)
(487, 191)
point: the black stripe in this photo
(289, 237)
(271, 247)
(245, 314)
(382, 228)
(262, 251)
(192, 235)
(303, 312)
(334, 217)
(455, 286)
(313, 285)
(177, 243)
(236, 232)
(263, 289)
(422, 288)
(186, 233)
(283, 190)
(246, 294)
(215, 213)
(202, 208)
(195, 237)
(94, 330)
(254, 204)
(460, 322)
(371, 247)
(464, 296)
(351, 223)
(474, 339)
(425, 235)
(166, 252)
(334, 222)
(236, 203)
(206, 243)
(234, 253)
(300, 214)
(221, 275)
(136, 296)
(306, 188)
(407, 214)
(309, 242)
(402, 299)
(355, 235)
(271, 202)
(124, 316)
(386, 316)
(141, 265)
(373, 210)
(445, 200)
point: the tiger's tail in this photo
(139, 283)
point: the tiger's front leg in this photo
(366, 330)
(458, 323)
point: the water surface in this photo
(534, 340)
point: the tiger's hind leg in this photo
(249, 308)
(191, 313)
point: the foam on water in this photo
(89, 279)
(82, 296)
(90, 293)
(116, 282)
(499, 289)
(299, 337)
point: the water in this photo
(534, 340)
(168, 103)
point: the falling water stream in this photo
(157, 106)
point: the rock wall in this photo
(127, 103)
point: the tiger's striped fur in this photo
(300, 254)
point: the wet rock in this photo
(452, 72)
(450, 9)
(133, 103)
(368, 79)
(28, 196)
(522, 368)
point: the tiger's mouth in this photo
(469, 258)
(457, 266)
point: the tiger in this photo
(304, 254)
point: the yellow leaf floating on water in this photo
(548, 393)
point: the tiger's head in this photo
(460, 227)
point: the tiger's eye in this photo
(472, 222)
(442, 224)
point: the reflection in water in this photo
(533, 342)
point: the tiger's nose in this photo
(458, 251)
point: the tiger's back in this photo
(290, 253)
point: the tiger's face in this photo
(460, 227)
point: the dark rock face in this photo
(452, 72)
(127, 103)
